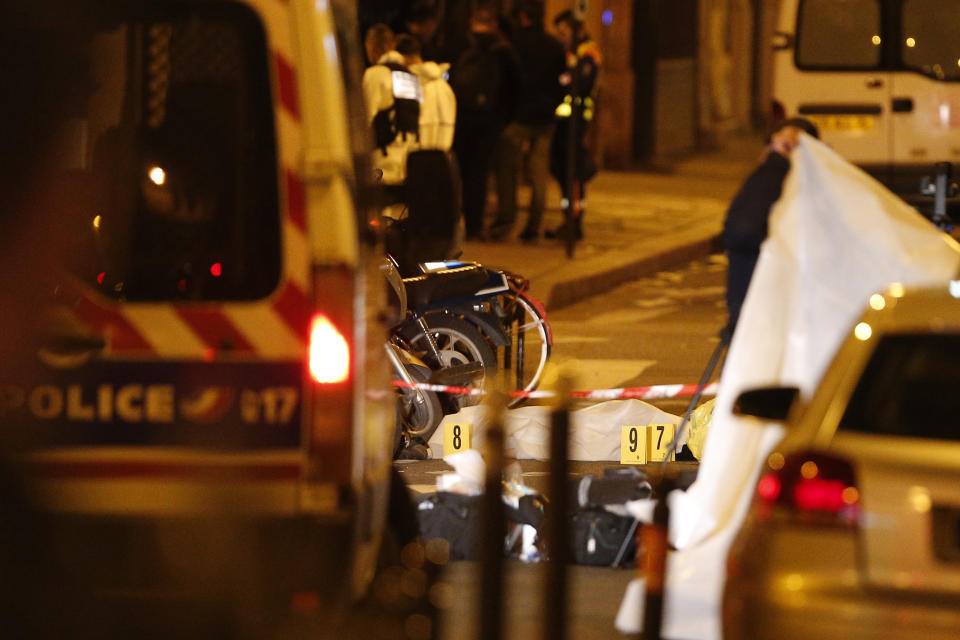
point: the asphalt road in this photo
(657, 330)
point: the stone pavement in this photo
(637, 223)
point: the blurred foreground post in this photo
(654, 541)
(494, 525)
(558, 525)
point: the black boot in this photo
(561, 231)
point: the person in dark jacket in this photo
(485, 80)
(542, 63)
(745, 227)
(422, 22)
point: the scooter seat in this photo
(445, 284)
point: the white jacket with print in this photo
(378, 94)
(438, 111)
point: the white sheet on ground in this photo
(594, 431)
(836, 236)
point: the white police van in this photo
(880, 78)
(210, 401)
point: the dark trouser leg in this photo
(473, 179)
(509, 152)
(581, 209)
(575, 202)
(539, 167)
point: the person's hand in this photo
(785, 141)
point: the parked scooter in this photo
(453, 361)
(459, 300)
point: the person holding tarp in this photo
(836, 237)
(745, 227)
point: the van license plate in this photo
(844, 123)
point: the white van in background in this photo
(880, 78)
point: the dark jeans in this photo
(509, 167)
(474, 144)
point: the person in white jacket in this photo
(438, 111)
(379, 94)
(438, 115)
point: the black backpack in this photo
(402, 118)
(476, 80)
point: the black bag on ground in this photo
(453, 517)
(598, 536)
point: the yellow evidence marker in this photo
(457, 437)
(633, 445)
(659, 437)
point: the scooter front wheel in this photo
(458, 342)
(419, 412)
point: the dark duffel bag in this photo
(601, 539)
(453, 517)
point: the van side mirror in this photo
(769, 403)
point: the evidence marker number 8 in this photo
(457, 437)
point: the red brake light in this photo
(769, 487)
(819, 495)
(329, 352)
(816, 487)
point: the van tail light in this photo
(330, 362)
(329, 352)
(778, 114)
(811, 487)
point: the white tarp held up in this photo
(594, 431)
(836, 237)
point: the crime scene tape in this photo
(654, 392)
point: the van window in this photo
(930, 37)
(908, 389)
(839, 34)
(178, 151)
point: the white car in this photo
(855, 529)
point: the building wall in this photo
(726, 71)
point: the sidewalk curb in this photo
(626, 266)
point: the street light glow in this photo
(157, 176)
(911, 42)
(876, 40)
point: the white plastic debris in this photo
(469, 473)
